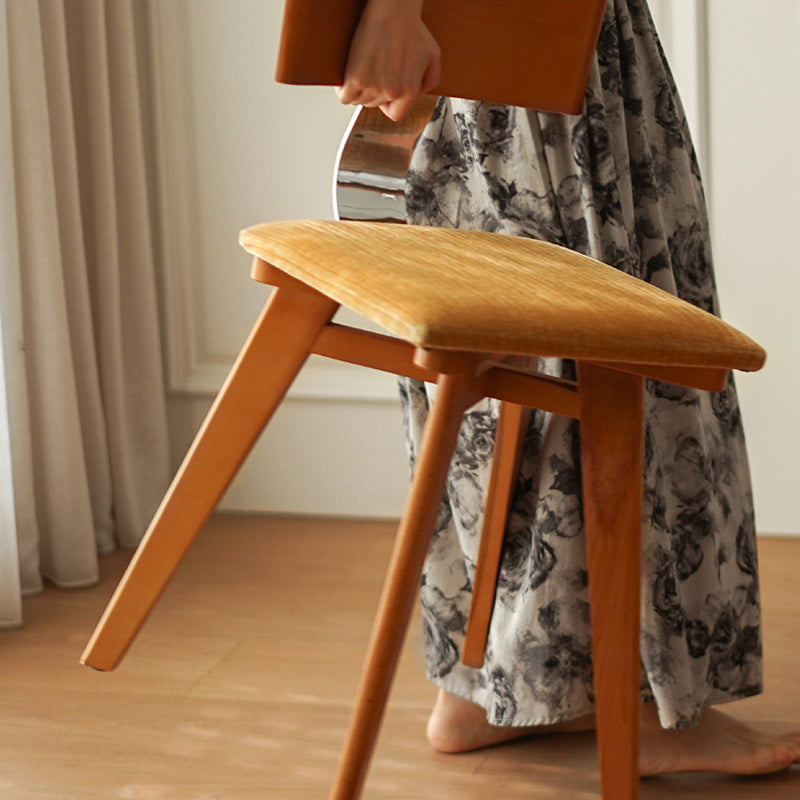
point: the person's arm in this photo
(393, 58)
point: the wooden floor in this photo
(239, 686)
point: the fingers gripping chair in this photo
(465, 310)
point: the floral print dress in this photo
(618, 182)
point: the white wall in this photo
(754, 126)
(237, 149)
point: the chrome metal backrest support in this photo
(372, 163)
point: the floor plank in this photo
(239, 685)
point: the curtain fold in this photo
(87, 445)
(11, 361)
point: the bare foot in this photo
(718, 743)
(458, 726)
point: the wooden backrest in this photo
(531, 53)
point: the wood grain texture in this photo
(612, 447)
(401, 583)
(536, 55)
(532, 389)
(372, 350)
(470, 290)
(271, 358)
(240, 685)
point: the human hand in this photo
(393, 59)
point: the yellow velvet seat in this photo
(469, 290)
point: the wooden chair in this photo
(369, 185)
(464, 309)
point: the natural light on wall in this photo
(259, 151)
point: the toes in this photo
(787, 748)
(794, 748)
(778, 755)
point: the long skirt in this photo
(619, 182)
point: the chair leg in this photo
(512, 426)
(611, 429)
(401, 584)
(264, 370)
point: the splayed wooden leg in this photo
(401, 585)
(264, 370)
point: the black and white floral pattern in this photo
(619, 182)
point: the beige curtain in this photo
(83, 441)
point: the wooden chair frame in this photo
(606, 399)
